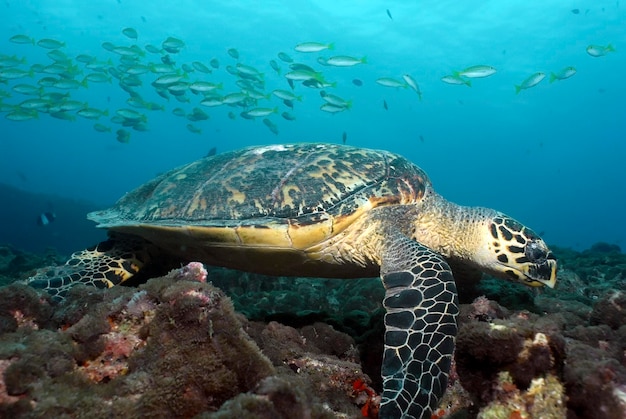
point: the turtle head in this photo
(513, 251)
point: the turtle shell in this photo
(281, 196)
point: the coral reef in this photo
(572, 353)
(543, 399)
(610, 309)
(175, 347)
(516, 344)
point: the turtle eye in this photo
(535, 252)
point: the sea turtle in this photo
(323, 210)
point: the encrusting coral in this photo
(174, 347)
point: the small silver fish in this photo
(599, 50)
(101, 128)
(22, 39)
(313, 47)
(566, 73)
(258, 112)
(130, 33)
(410, 81)
(201, 67)
(454, 79)
(50, 43)
(285, 57)
(288, 116)
(345, 61)
(389, 82)
(531, 81)
(327, 107)
(477, 71)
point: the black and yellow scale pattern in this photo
(309, 183)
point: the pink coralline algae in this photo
(484, 310)
(173, 348)
(119, 344)
(193, 271)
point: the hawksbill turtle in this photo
(323, 210)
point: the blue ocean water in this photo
(551, 156)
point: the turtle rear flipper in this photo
(422, 305)
(104, 265)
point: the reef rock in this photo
(303, 347)
(172, 348)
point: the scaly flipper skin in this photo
(104, 265)
(421, 303)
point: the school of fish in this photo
(193, 87)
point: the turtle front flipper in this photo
(422, 305)
(104, 265)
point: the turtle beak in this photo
(542, 274)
